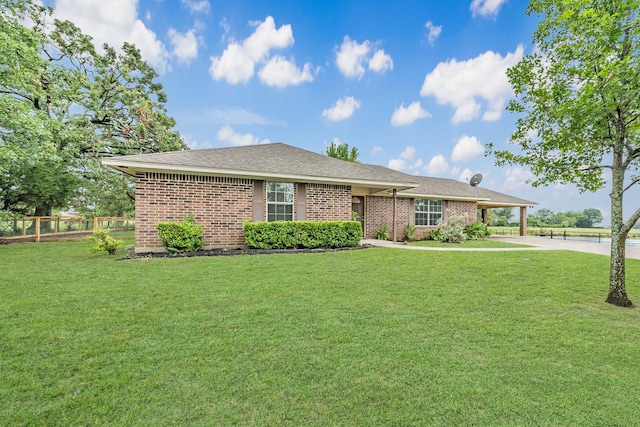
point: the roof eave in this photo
(131, 168)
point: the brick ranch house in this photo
(224, 187)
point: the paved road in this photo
(536, 243)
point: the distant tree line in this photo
(546, 218)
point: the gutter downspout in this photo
(394, 216)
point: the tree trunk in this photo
(44, 209)
(617, 291)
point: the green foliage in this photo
(502, 216)
(410, 232)
(435, 235)
(382, 233)
(63, 106)
(546, 218)
(477, 230)
(577, 104)
(104, 242)
(181, 237)
(452, 229)
(302, 234)
(342, 152)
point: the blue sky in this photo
(417, 86)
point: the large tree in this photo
(578, 97)
(63, 106)
(341, 151)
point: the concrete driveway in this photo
(535, 243)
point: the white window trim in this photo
(275, 203)
(427, 212)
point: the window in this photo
(428, 212)
(279, 201)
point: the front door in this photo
(357, 206)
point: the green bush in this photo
(435, 235)
(477, 230)
(302, 234)
(104, 242)
(410, 232)
(382, 233)
(180, 237)
(452, 229)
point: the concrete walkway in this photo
(535, 243)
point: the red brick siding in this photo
(220, 204)
(327, 202)
(468, 209)
(379, 211)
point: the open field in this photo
(365, 337)
(577, 232)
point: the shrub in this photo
(302, 234)
(435, 235)
(180, 237)
(410, 232)
(452, 229)
(477, 230)
(382, 233)
(104, 242)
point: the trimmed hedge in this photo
(302, 234)
(180, 237)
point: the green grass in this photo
(367, 337)
(488, 243)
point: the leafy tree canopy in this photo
(577, 97)
(63, 106)
(341, 151)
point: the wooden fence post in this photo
(37, 229)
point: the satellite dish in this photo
(475, 180)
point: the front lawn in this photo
(474, 244)
(364, 337)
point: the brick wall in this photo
(379, 212)
(328, 202)
(220, 204)
(468, 209)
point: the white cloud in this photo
(380, 62)
(436, 165)
(486, 8)
(185, 46)
(461, 84)
(376, 149)
(281, 72)
(238, 61)
(467, 148)
(405, 116)
(227, 134)
(408, 153)
(197, 6)
(465, 175)
(434, 31)
(115, 22)
(517, 178)
(342, 109)
(352, 57)
(404, 160)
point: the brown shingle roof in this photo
(286, 162)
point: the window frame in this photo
(427, 212)
(279, 196)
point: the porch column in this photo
(523, 220)
(394, 216)
(485, 216)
